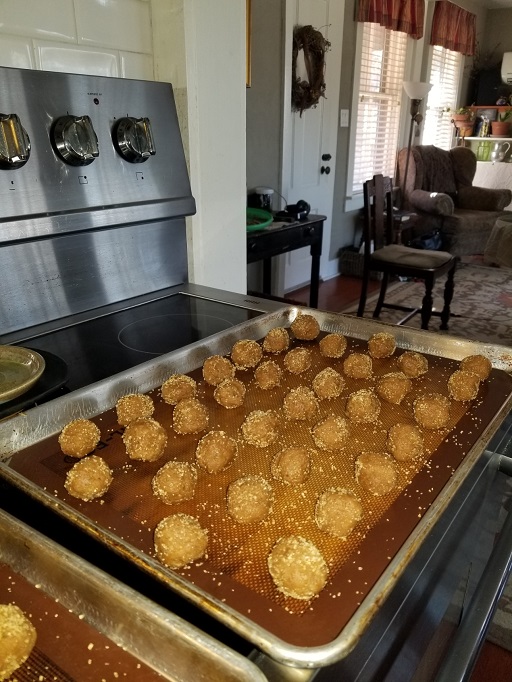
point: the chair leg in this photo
(382, 294)
(364, 292)
(448, 296)
(427, 303)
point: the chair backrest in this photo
(378, 213)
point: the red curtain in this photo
(453, 28)
(399, 15)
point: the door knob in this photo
(325, 169)
(326, 157)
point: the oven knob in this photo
(133, 139)
(14, 142)
(75, 140)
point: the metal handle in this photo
(325, 169)
(326, 157)
(469, 638)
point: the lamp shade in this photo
(416, 90)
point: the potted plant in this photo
(462, 119)
(462, 115)
(501, 127)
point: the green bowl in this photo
(257, 219)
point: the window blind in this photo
(378, 112)
(445, 71)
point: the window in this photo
(445, 72)
(378, 110)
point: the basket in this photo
(351, 263)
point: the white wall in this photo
(199, 46)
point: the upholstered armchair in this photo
(439, 190)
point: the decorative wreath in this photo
(307, 93)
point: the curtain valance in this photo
(406, 16)
(453, 28)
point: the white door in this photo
(309, 141)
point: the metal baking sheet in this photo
(90, 626)
(329, 628)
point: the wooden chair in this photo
(382, 255)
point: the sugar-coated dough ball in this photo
(376, 473)
(17, 639)
(363, 406)
(217, 368)
(133, 406)
(393, 387)
(297, 360)
(331, 433)
(180, 540)
(249, 499)
(292, 465)
(332, 345)
(338, 512)
(381, 345)
(405, 442)
(175, 482)
(432, 410)
(89, 478)
(463, 385)
(358, 366)
(297, 567)
(178, 387)
(145, 440)
(267, 375)
(216, 451)
(305, 327)
(79, 437)
(261, 428)
(230, 393)
(300, 404)
(276, 341)
(412, 364)
(328, 383)
(189, 416)
(478, 364)
(246, 353)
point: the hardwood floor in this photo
(494, 663)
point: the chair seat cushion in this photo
(406, 256)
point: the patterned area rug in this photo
(481, 306)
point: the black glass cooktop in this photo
(98, 348)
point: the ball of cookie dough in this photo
(175, 482)
(363, 406)
(190, 416)
(261, 428)
(133, 406)
(376, 473)
(432, 410)
(463, 385)
(393, 387)
(300, 404)
(217, 369)
(405, 442)
(358, 366)
(276, 341)
(145, 440)
(88, 479)
(79, 437)
(305, 327)
(292, 465)
(216, 451)
(412, 364)
(180, 540)
(478, 364)
(297, 360)
(249, 499)
(267, 375)
(297, 567)
(331, 433)
(381, 345)
(246, 353)
(17, 639)
(338, 512)
(230, 393)
(178, 387)
(328, 383)
(332, 345)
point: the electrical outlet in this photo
(344, 118)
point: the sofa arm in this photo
(483, 198)
(435, 203)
